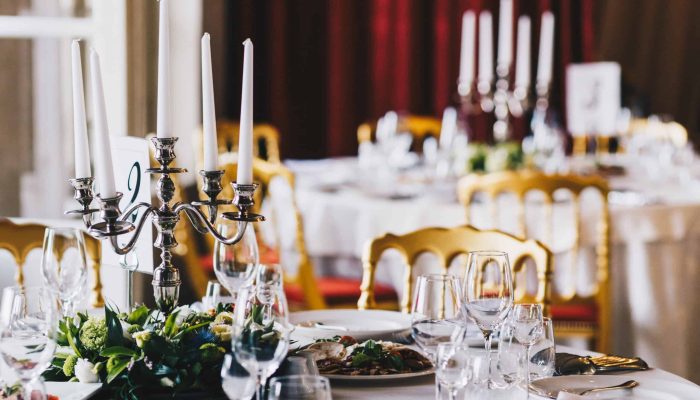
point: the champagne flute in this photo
(235, 264)
(488, 293)
(64, 265)
(527, 329)
(436, 313)
(28, 329)
(261, 330)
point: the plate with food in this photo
(344, 358)
(360, 324)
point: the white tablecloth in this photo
(655, 262)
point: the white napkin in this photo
(569, 396)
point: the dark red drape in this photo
(323, 67)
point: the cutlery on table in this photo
(552, 394)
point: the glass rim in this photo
(63, 229)
(438, 277)
(487, 253)
(300, 379)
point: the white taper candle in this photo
(245, 138)
(208, 109)
(485, 47)
(163, 128)
(82, 150)
(466, 55)
(546, 53)
(102, 149)
(505, 33)
(522, 57)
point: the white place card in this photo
(593, 98)
(131, 159)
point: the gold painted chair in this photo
(661, 131)
(303, 288)
(20, 239)
(574, 314)
(420, 126)
(447, 244)
(266, 139)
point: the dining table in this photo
(654, 259)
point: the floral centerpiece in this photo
(499, 157)
(144, 353)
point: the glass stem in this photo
(527, 370)
(261, 387)
(487, 346)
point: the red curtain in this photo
(324, 67)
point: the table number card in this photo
(131, 159)
(593, 98)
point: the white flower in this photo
(167, 382)
(182, 313)
(125, 331)
(84, 371)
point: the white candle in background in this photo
(522, 57)
(544, 64)
(466, 55)
(208, 110)
(485, 47)
(102, 149)
(448, 128)
(245, 138)
(82, 151)
(163, 129)
(505, 33)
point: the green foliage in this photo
(93, 334)
(372, 351)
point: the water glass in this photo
(212, 296)
(510, 357)
(527, 329)
(28, 328)
(236, 381)
(235, 264)
(64, 265)
(436, 314)
(299, 387)
(453, 368)
(543, 353)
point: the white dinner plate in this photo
(360, 324)
(379, 377)
(72, 390)
(648, 389)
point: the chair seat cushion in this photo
(575, 312)
(337, 291)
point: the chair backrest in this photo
(20, 239)
(266, 139)
(264, 173)
(419, 126)
(447, 244)
(660, 131)
(520, 183)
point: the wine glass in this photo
(453, 367)
(488, 293)
(527, 329)
(306, 387)
(261, 330)
(28, 329)
(544, 352)
(235, 264)
(64, 265)
(436, 313)
(236, 381)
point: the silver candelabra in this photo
(166, 277)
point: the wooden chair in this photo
(447, 244)
(266, 139)
(420, 126)
(573, 314)
(304, 289)
(20, 239)
(660, 131)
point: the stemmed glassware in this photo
(543, 358)
(301, 387)
(28, 328)
(261, 330)
(235, 265)
(64, 265)
(453, 367)
(436, 314)
(488, 293)
(527, 329)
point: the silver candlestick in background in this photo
(114, 222)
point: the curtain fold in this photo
(323, 67)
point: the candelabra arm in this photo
(131, 209)
(195, 213)
(142, 221)
(196, 221)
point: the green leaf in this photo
(119, 351)
(170, 326)
(138, 316)
(71, 342)
(190, 329)
(117, 368)
(114, 328)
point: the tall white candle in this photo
(544, 64)
(485, 47)
(505, 33)
(82, 151)
(102, 149)
(163, 129)
(522, 57)
(208, 110)
(245, 138)
(466, 56)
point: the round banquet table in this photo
(655, 262)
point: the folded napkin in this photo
(572, 364)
